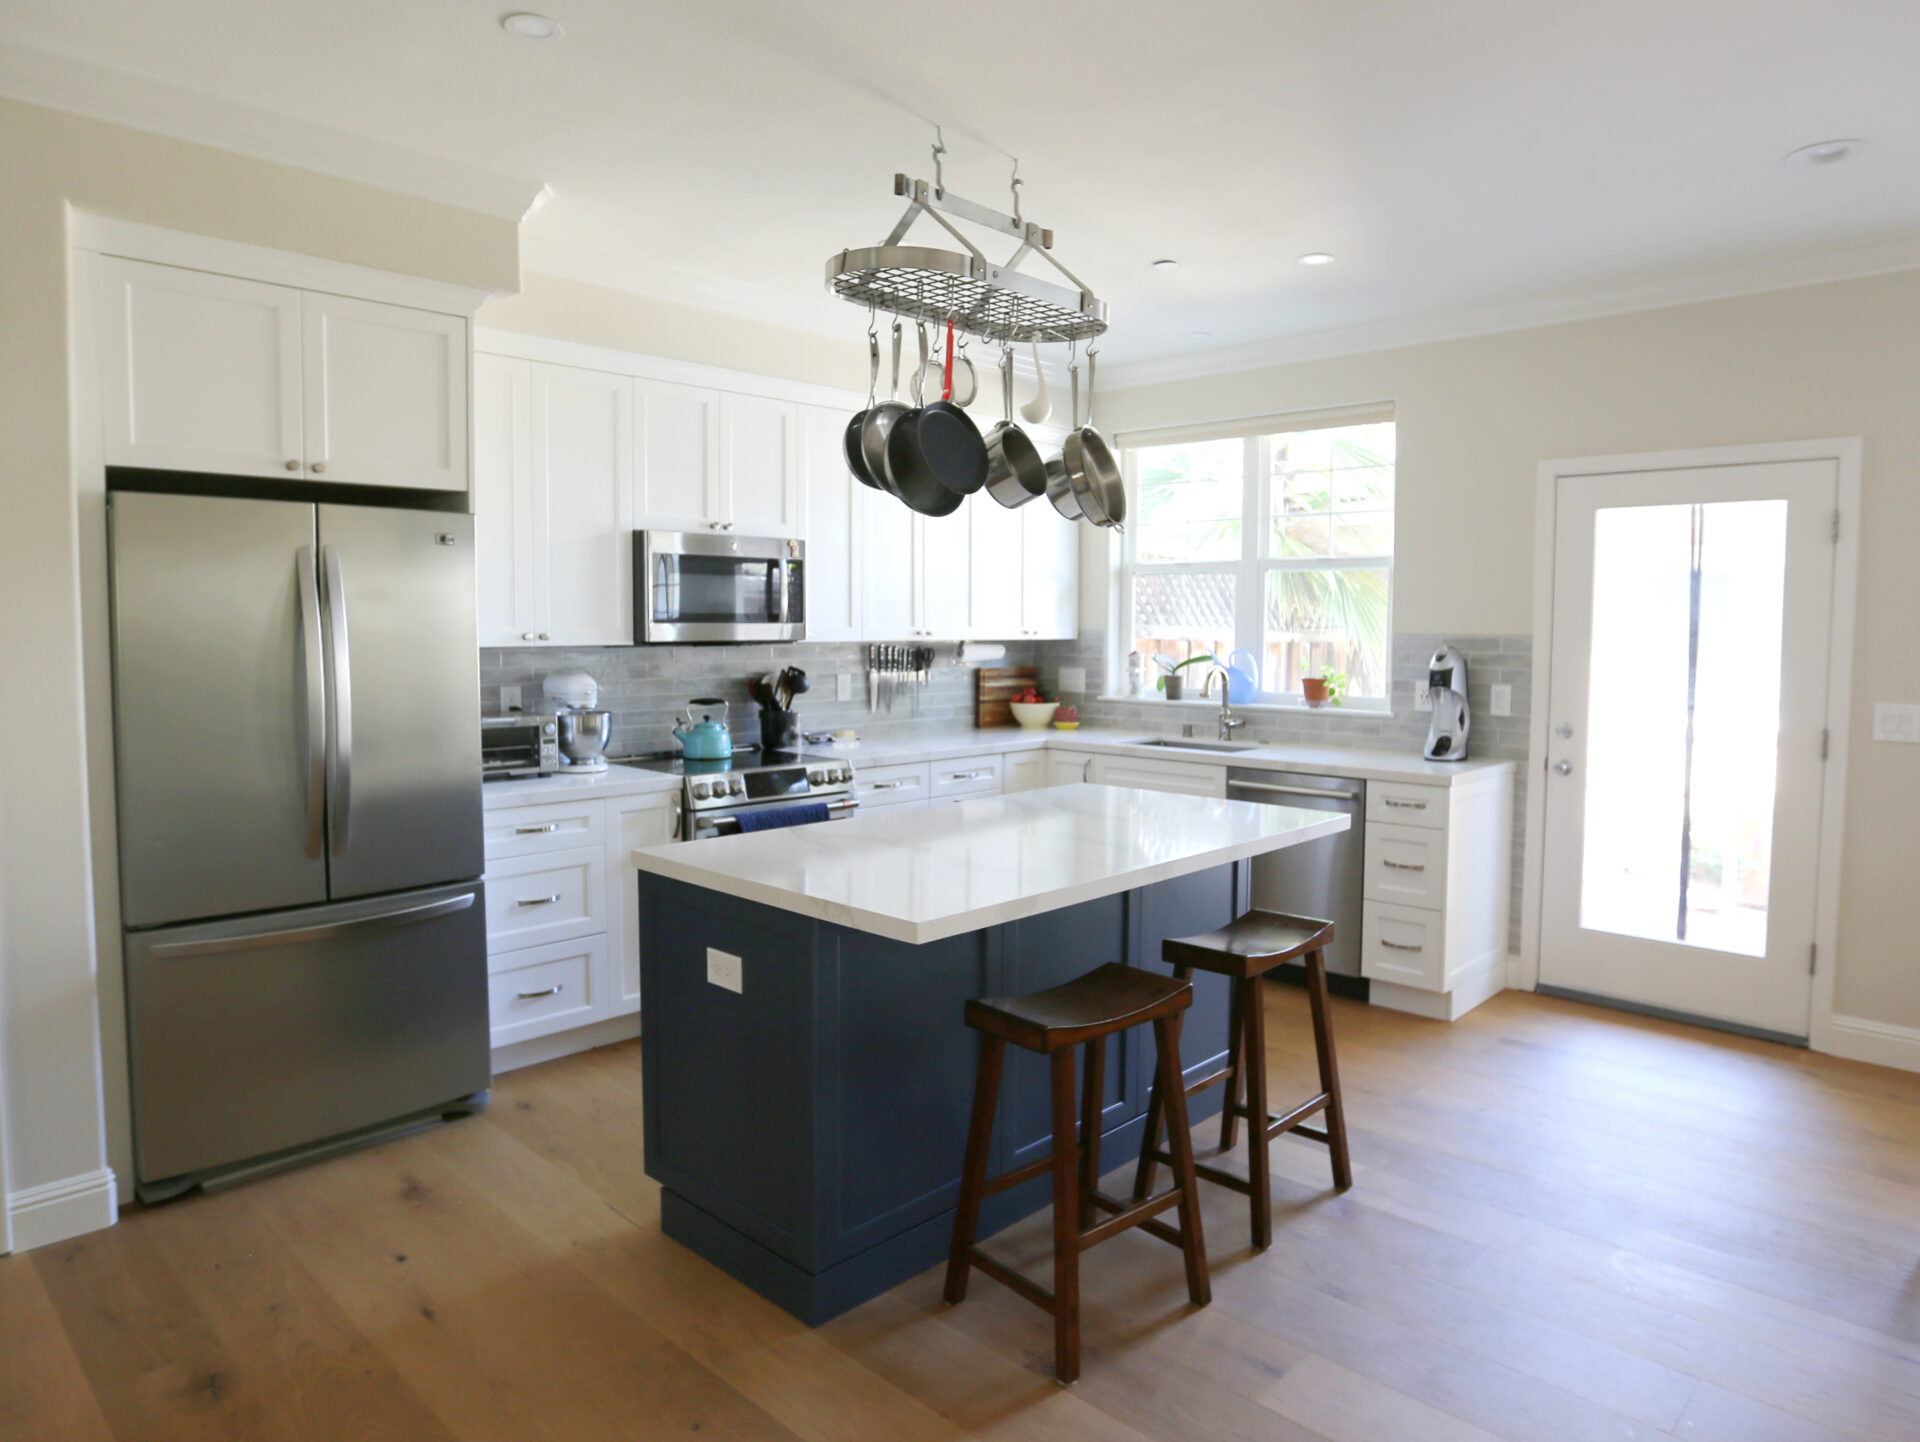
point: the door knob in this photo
(1565, 768)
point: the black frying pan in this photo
(855, 453)
(935, 455)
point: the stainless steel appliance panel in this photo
(690, 586)
(403, 657)
(251, 1037)
(1324, 878)
(218, 706)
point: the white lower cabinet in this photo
(880, 786)
(1192, 778)
(563, 910)
(1026, 771)
(966, 776)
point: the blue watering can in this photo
(1243, 677)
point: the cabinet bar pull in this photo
(1268, 786)
(1397, 946)
(539, 900)
(1401, 865)
(887, 785)
(1406, 805)
(553, 990)
(967, 775)
(536, 830)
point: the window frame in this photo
(1252, 567)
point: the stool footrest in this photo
(1127, 1215)
(1288, 1121)
(1018, 1175)
(1211, 1079)
(1170, 1235)
(1007, 1277)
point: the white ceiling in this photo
(1476, 158)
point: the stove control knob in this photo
(843, 774)
(700, 790)
(816, 777)
(737, 786)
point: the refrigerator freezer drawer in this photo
(254, 1037)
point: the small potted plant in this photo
(1067, 718)
(1329, 688)
(1172, 682)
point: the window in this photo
(1271, 551)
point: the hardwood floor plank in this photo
(45, 1394)
(1347, 1407)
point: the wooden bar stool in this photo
(1244, 952)
(1086, 1011)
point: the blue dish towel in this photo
(781, 816)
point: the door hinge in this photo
(1835, 536)
(1826, 742)
(1813, 957)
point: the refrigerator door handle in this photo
(312, 668)
(340, 693)
(303, 935)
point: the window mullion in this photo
(1248, 604)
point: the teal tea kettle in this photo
(709, 740)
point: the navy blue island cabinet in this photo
(807, 1128)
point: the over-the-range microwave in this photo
(696, 586)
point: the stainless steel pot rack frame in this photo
(996, 302)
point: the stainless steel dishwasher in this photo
(1323, 878)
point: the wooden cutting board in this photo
(994, 687)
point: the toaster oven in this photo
(515, 746)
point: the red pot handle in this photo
(946, 390)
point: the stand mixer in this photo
(585, 730)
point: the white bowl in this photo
(1033, 715)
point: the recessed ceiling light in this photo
(1825, 152)
(529, 26)
(1164, 264)
(1316, 257)
(1199, 335)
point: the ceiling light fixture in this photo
(1166, 264)
(1316, 257)
(1826, 152)
(529, 26)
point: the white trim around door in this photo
(1846, 452)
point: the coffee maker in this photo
(1447, 692)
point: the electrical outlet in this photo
(1502, 701)
(509, 698)
(1422, 697)
(723, 969)
(843, 686)
(1073, 679)
(1894, 721)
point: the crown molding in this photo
(78, 87)
(1787, 272)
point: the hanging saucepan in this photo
(856, 456)
(935, 449)
(966, 384)
(1065, 488)
(879, 424)
(1016, 471)
(1087, 457)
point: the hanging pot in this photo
(856, 455)
(1089, 466)
(1067, 488)
(879, 424)
(936, 448)
(1016, 471)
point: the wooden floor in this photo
(1566, 1224)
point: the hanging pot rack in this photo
(997, 303)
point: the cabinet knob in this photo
(526, 636)
(543, 636)
(319, 466)
(293, 465)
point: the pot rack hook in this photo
(939, 149)
(1016, 192)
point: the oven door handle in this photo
(729, 825)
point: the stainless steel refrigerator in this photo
(296, 688)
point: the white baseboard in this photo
(1519, 974)
(565, 1043)
(1879, 1042)
(54, 1211)
(1470, 988)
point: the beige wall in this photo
(1477, 416)
(572, 310)
(49, 1046)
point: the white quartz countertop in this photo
(919, 874)
(616, 780)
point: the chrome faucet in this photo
(1229, 723)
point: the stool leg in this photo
(1236, 1037)
(1329, 1070)
(1193, 1244)
(1093, 1095)
(1150, 1143)
(1066, 1223)
(973, 1175)
(1260, 1194)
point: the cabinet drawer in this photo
(557, 826)
(1191, 778)
(1400, 803)
(1404, 945)
(892, 785)
(536, 899)
(967, 776)
(1406, 865)
(550, 988)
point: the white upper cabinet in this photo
(997, 568)
(943, 552)
(386, 394)
(1049, 573)
(202, 372)
(582, 450)
(831, 527)
(208, 373)
(760, 489)
(888, 533)
(677, 477)
(507, 548)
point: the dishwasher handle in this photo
(1274, 789)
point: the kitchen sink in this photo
(1190, 743)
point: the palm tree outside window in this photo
(1277, 546)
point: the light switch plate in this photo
(1896, 721)
(1501, 703)
(724, 969)
(509, 699)
(1073, 679)
(1422, 696)
(843, 686)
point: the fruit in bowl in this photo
(1031, 710)
(1066, 718)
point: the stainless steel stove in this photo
(714, 794)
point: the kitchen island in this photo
(808, 1074)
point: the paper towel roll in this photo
(981, 653)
